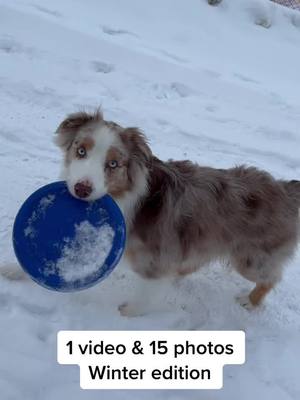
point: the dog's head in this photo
(101, 157)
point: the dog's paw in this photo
(130, 310)
(245, 302)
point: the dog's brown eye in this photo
(112, 164)
(81, 152)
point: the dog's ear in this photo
(136, 143)
(69, 127)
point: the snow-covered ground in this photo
(205, 83)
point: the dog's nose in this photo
(83, 189)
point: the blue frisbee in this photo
(66, 244)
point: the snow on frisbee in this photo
(82, 255)
(66, 244)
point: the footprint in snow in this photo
(171, 91)
(190, 316)
(211, 108)
(36, 309)
(102, 67)
(212, 74)
(245, 78)
(173, 57)
(45, 10)
(11, 136)
(277, 134)
(116, 31)
(10, 46)
(4, 302)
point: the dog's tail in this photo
(293, 189)
(12, 272)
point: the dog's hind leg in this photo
(257, 295)
(262, 269)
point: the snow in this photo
(85, 254)
(44, 203)
(211, 84)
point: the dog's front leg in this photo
(147, 296)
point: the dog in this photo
(179, 215)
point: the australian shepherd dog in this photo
(181, 215)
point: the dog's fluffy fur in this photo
(180, 215)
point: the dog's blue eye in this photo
(113, 164)
(81, 152)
